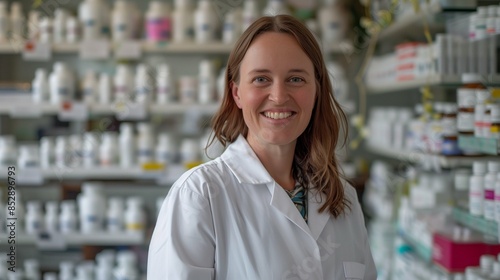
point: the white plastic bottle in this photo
(121, 22)
(75, 150)
(51, 217)
(4, 22)
(165, 89)
(90, 150)
(206, 83)
(32, 269)
(276, 7)
(28, 156)
(205, 22)
(165, 150)
(135, 218)
(250, 13)
(90, 87)
(480, 22)
(489, 190)
(61, 151)
(127, 145)
(145, 143)
(188, 90)
(333, 22)
(127, 266)
(17, 21)
(34, 217)
(497, 198)
(158, 22)
(40, 86)
(232, 27)
(72, 30)
(61, 84)
(47, 158)
(105, 89)
(91, 205)
(143, 85)
(476, 191)
(90, 14)
(190, 151)
(183, 21)
(66, 270)
(123, 82)
(68, 219)
(60, 17)
(46, 30)
(7, 150)
(114, 215)
(85, 271)
(491, 20)
(105, 262)
(34, 17)
(108, 154)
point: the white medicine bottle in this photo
(205, 21)
(32, 269)
(51, 219)
(158, 22)
(333, 21)
(66, 270)
(183, 21)
(90, 149)
(121, 21)
(114, 215)
(165, 150)
(165, 87)
(489, 190)
(145, 143)
(17, 21)
(108, 151)
(127, 145)
(61, 84)
(90, 87)
(123, 83)
(135, 218)
(40, 86)
(143, 85)
(104, 89)
(60, 17)
(250, 13)
(46, 152)
(68, 219)
(206, 83)
(34, 217)
(92, 205)
(126, 268)
(476, 191)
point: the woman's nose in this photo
(279, 94)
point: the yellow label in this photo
(135, 226)
(192, 164)
(152, 166)
(495, 129)
(495, 93)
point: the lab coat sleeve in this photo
(183, 241)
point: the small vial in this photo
(51, 217)
(476, 191)
(90, 150)
(34, 217)
(108, 154)
(66, 270)
(135, 218)
(114, 216)
(68, 219)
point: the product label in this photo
(450, 148)
(449, 126)
(466, 98)
(159, 29)
(489, 194)
(465, 121)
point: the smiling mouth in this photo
(278, 115)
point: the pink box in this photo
(455, 256)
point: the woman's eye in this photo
(296, 79)
(260, 80)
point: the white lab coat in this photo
(229, 220)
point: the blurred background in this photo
(105, 103)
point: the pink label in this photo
(497, 197)
(158, 29)
(489, 194)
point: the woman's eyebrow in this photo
(265, 71)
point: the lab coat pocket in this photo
(354, 271)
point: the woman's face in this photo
(276, 90)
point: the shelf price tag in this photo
(95, 49)
(73, 111)
(40, 51)
(30, 176)
(128, 50)
(26, 111)
(130, 111)
(50, 241)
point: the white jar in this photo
(143, 85)
(135, 218)
(127, 266)
(47, 156)
(33, 25)
(32, 269)
(250, 13)
(46, 30)
(108, 153)
(61, 84)
(158, 22)
(105, 89)
(333, 22)
(165, 88)
(66, 270)
(127, 145)
(232, 27)
(90, 13)
(206, 83)
(90, 149)
(51, 217)
(40, 86)
(165, 150)
(4, 22)
(114, 215)
(205, 22)
(85, 271)
(60, 17)
(92, 205)
(122, 25)
(61, 151)
(105, 262)
(188, 89)
(28, 156)
(90, 87)
(145, 143)
(183, 21)
(72, 30)
(190, 150)
(123, 82)
(34, 217)
(68, 219)
(75, 150)
(17, 21)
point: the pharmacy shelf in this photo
(428, 159)
(487, 146)
(423, 252)
(435, 80)
(476, 223)
(170, 109)
(62, 241)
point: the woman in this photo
(273, 205)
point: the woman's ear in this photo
(236, 94)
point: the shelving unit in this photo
(435, 80)
(422, 251)
(476, 223)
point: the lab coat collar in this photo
(247, 168)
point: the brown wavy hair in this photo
(315, 150)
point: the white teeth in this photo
(278, 116)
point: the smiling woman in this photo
(274, 204)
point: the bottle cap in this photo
(471, 78)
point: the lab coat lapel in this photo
(282, 202)
(317, 221)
